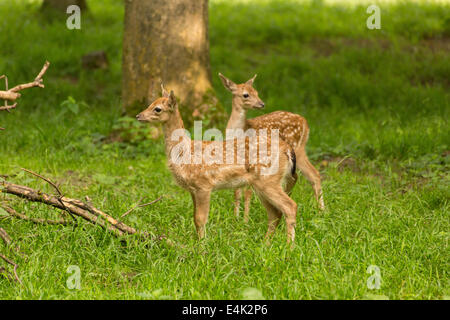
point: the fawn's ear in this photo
(227, 83)
(164, 92)
(172, 100)
(250, 82)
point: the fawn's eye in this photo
(157, 109)
(246, 95)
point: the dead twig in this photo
(15, 265)
(6, 238)
(74, 206)
(45, 179)
(13, 94)
(60, 195)
(3, 270)
(38, 82)
(131, 209)
(18, 215)
(83, 210)
(7, 108)
(138, 205)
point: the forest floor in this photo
(377, 102)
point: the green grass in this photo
(377, 102)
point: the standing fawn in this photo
(200, 176)
(293, 129)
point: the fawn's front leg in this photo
(237, 201)
(201, 201)
(247, 200)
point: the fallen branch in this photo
(45, 179)
(13, 94)
(5, 237)
(57, 190)
(63, 203)
(74, 206)
(15, 265)
(18, 215)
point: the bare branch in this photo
(63, 204)
(131, 209)
(6, 238)
(9, 95)
(60, 195)
(76, 207)
(13, 94)
(45, 179)
(141, 205)
(13, 264)
(38, 82)
(7, 108)
(43, 70)
(18, 215)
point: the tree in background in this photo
(167, 41)
(61, 5)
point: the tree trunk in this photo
(167, 40)
(61, 5)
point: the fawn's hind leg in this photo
(290, 183)
(273, 218)
(281, 201)
(310, 173)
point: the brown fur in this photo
(292, 127)
(201, 179)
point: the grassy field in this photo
(377, 102)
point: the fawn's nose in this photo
(138, 116)
(262, 104)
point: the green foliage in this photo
(377, 102)
(71, 105)
(132, 131)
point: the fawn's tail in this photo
(293, 159)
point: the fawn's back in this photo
(293, 128)
(230, 164)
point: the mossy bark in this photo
(167, 41)
(61, 5)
